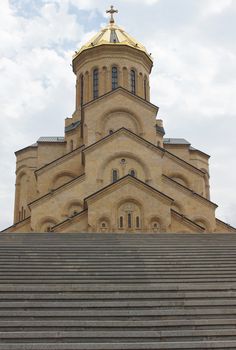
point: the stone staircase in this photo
(117, 291)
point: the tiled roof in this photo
(51, 139)
(176, 141)
(72, 126)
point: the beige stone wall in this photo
(59, 172)
(65, 188)
(118, 110)
(103, 59)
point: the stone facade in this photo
(113, 171)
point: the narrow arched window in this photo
(129, 220)
(114, 175)
(95, 83)
(137, 222)
(132, 172)
(145, 88)
(133, 81)
(121, 222)
(114, 78)
(71, 145)
(82, 89)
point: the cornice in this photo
(71, 218)
(128, 133)
(224, 223)
(183, 162)
(88, 54)
(190, 192)
(127, 179)
(187, 220)
(58, 160)
(19, 223)
(150, 145)
(126, 92)
(56, 190)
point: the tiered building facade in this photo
(113, 171)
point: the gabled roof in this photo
(62, 158)
(180, 141)
(124, 91)
(56, 189)
(133, 179)
(113, 184)
(186, 219)
(163, 150)
(190, 191)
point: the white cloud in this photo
(215, 7)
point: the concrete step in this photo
(119, 295)
(111, 313)
(120, 336)
(115, 291)
(196, 345)
(43, 324)
(77, 304)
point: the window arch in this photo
(95, 83)
(133, 81)
(133, 173)
(22, 214)
(145, 88)
(71, 145)
(114, 78)
(82, 89)
(115, 175)
(121, 222)
(129, 217)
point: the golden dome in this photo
(112, 35)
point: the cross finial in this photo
(112, 11)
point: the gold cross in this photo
(112, 11)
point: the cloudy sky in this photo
(193, 80)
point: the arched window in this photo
(71, 145)
(137, 222)
(114, 175)
(95, 83)
(145, 88)
(114, 78)
(133, 81)
(129, 220)
(22, 214)
(121, 223)
(82, 89)
(132, 172)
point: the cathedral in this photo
(113, 171)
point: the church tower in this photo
(113, 171)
